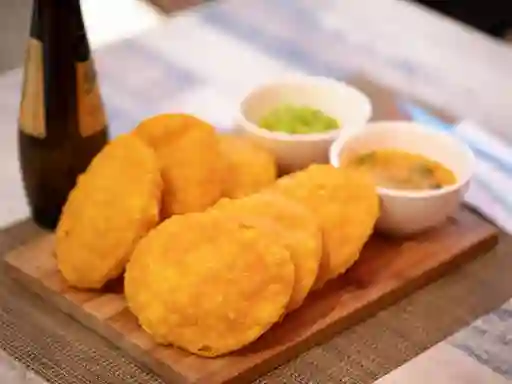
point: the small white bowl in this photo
(409, 212)
(349, 106)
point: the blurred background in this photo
(493, 17)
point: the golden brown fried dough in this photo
(208, 284)
(114, 204)
(291, 224)
(248, 167)
(345, 203)
(190, 160)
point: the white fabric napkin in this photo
(490, 192)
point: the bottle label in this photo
(32, 108)
(91, 115)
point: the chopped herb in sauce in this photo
(365, 158)
(423, 170)
(396, 169)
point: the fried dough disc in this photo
(249, 167)
(208, 284)
(190, 161)
(114, 204)
(294, 226)
(345, 203)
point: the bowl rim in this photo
(246, 124)
(338, 144)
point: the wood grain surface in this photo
(388, 270)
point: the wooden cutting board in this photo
(388, 270)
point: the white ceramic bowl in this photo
(346, 104)
(409, 212)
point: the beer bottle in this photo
(62, 123)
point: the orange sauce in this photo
(397, 169)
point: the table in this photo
(202, 61)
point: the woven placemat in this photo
(62, 351)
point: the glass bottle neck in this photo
(60, 23)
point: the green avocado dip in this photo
(297, 119)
